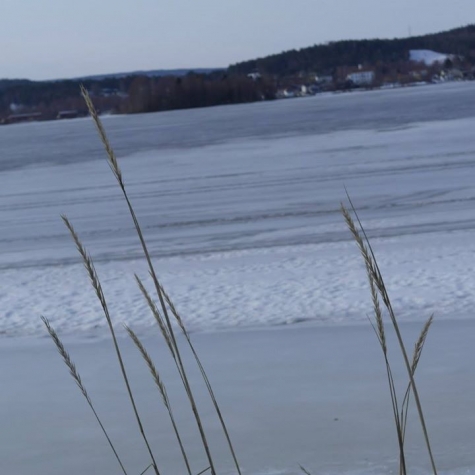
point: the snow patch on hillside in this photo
(428, 57)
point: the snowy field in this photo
(240, 206)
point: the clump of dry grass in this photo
(77, 378)
(378, 290)
(162, 318)
(96, 284)
(161, 313)
(162, 390)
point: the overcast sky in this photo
(44, 39)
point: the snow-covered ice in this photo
(311, 396)
(246, 232)
(240, 206)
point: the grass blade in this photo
(379, 330)
(379, 281)
(304, 470)
(96, 284)
(151, 465)
(162, 390)
(77, 378)
(418, 347)
(203, 374)
(156, 314)
(112, 160)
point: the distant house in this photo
(456, 74)
(112, 92)
(26, 117)
(361, 78)
(16, 108)
(109, 91)
(419, 75)
(324, 79)
(293, 91)
(69, 114)
(314, 89)
(254, 76)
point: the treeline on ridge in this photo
(325, 58)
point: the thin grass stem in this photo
(142, 473)
(161, 387)
(304, 470)
(418, 347)
(96, 284)
(118, 175)
(384, 295)
(77, 378)
(203, 374)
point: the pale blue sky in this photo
(41, 39)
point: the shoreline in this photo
(307, 96)
(87, 338)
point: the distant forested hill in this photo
(7, 83)
(151, 73)
(326, 57)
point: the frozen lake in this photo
(240, 206)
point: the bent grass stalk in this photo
(394, 403)
(156, 314)
(77, 378)
(113, 164)
(418, 347)
(203, 374)
(144, 471)
(96, 284)
(379, 330)
(377, 287)
(372, 265)
(166, 336)
(161, 388)
(304, 470)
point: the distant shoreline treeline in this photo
(289, 74)
(195, 90)
(30, 100)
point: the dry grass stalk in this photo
(162, 390)
(378, 314)
(156, 314)
(380, 332)
(419, 346)
(304, 470)
(203, 374)
(96, 284)
(112, 159)
(372, 265)
(174, 311)
(416, 356)
(142, 473)
(371, 273)
(116, 170)
(394, 402)
(77, 378)
(167, 333)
